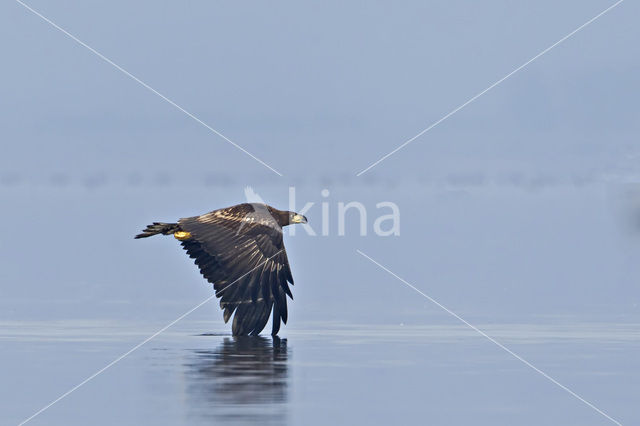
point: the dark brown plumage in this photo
(240, 250)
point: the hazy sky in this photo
(316, 89)
(519, 187)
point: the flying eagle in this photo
(240, 250)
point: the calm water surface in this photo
(320, 373)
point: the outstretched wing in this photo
(240, 251)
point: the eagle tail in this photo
(159, 228)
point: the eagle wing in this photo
(240, 250)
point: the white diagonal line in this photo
(124, 355)
(500, 345)
(116, 360)
(145, 85)
(407, 142)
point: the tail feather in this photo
(159, 228)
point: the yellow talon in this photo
(182, 235)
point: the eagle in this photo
(240, 250)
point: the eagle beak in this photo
(298, 218)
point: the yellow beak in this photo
(298, 218)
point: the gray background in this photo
(521, 212)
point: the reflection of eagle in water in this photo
(240, 250)
(243, 381)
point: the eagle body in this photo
(240, 250)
